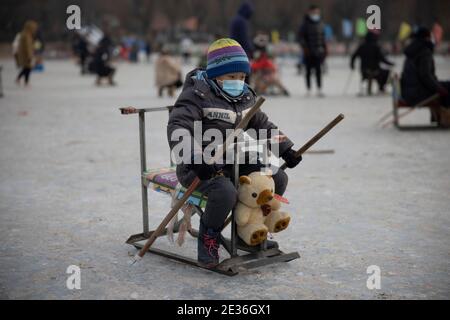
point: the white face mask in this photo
(233, 87)
(315, 17)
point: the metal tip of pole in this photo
(135, 260)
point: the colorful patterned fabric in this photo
(226, 56)
(165, 180)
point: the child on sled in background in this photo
(419, 80)
(264, 70)
(102, 62)
(168, 73)
(371, 55)
(219, 98)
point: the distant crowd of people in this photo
(418, 79)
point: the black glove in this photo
(291, 160)
(203, 170)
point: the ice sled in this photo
(241, 256)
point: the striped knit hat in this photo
(226, 56)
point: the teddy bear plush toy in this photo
(258, 210)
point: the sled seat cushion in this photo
(165, 180)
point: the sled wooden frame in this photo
(254, 257)
(397, 106)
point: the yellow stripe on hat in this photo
(223, 43)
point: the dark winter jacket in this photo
(202, 100)
(370, 54)
(102, 57)
(311, 36)
(240, 28)
(419, 81)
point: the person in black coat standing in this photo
(372, 56)
(240, 30)
(311, 37)
(419, 80)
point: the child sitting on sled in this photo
(264, 71)
(218, 98)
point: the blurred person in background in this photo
(25, 52)
(311, 37)
(371, 55)
(39, 48)
(438, 33)
(134, 52)
(186, 49)
(133, 57)
(82, 51)
(419, 81)
(240, 30)
(148, 50)
(168, 73)
(102, 62)
(265, 72)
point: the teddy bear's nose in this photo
(264, 197)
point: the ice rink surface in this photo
(70, 195)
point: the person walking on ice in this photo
(218, 98)
(311, 36)
(25, 51)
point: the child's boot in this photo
(208, 247)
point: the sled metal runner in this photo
(253, 257)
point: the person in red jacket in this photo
(265, 72)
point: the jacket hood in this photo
(246, 10)
(417, 47)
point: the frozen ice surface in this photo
(70, 195)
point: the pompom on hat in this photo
(226, 56)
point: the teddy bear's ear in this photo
(245, 180)
(269, 173)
